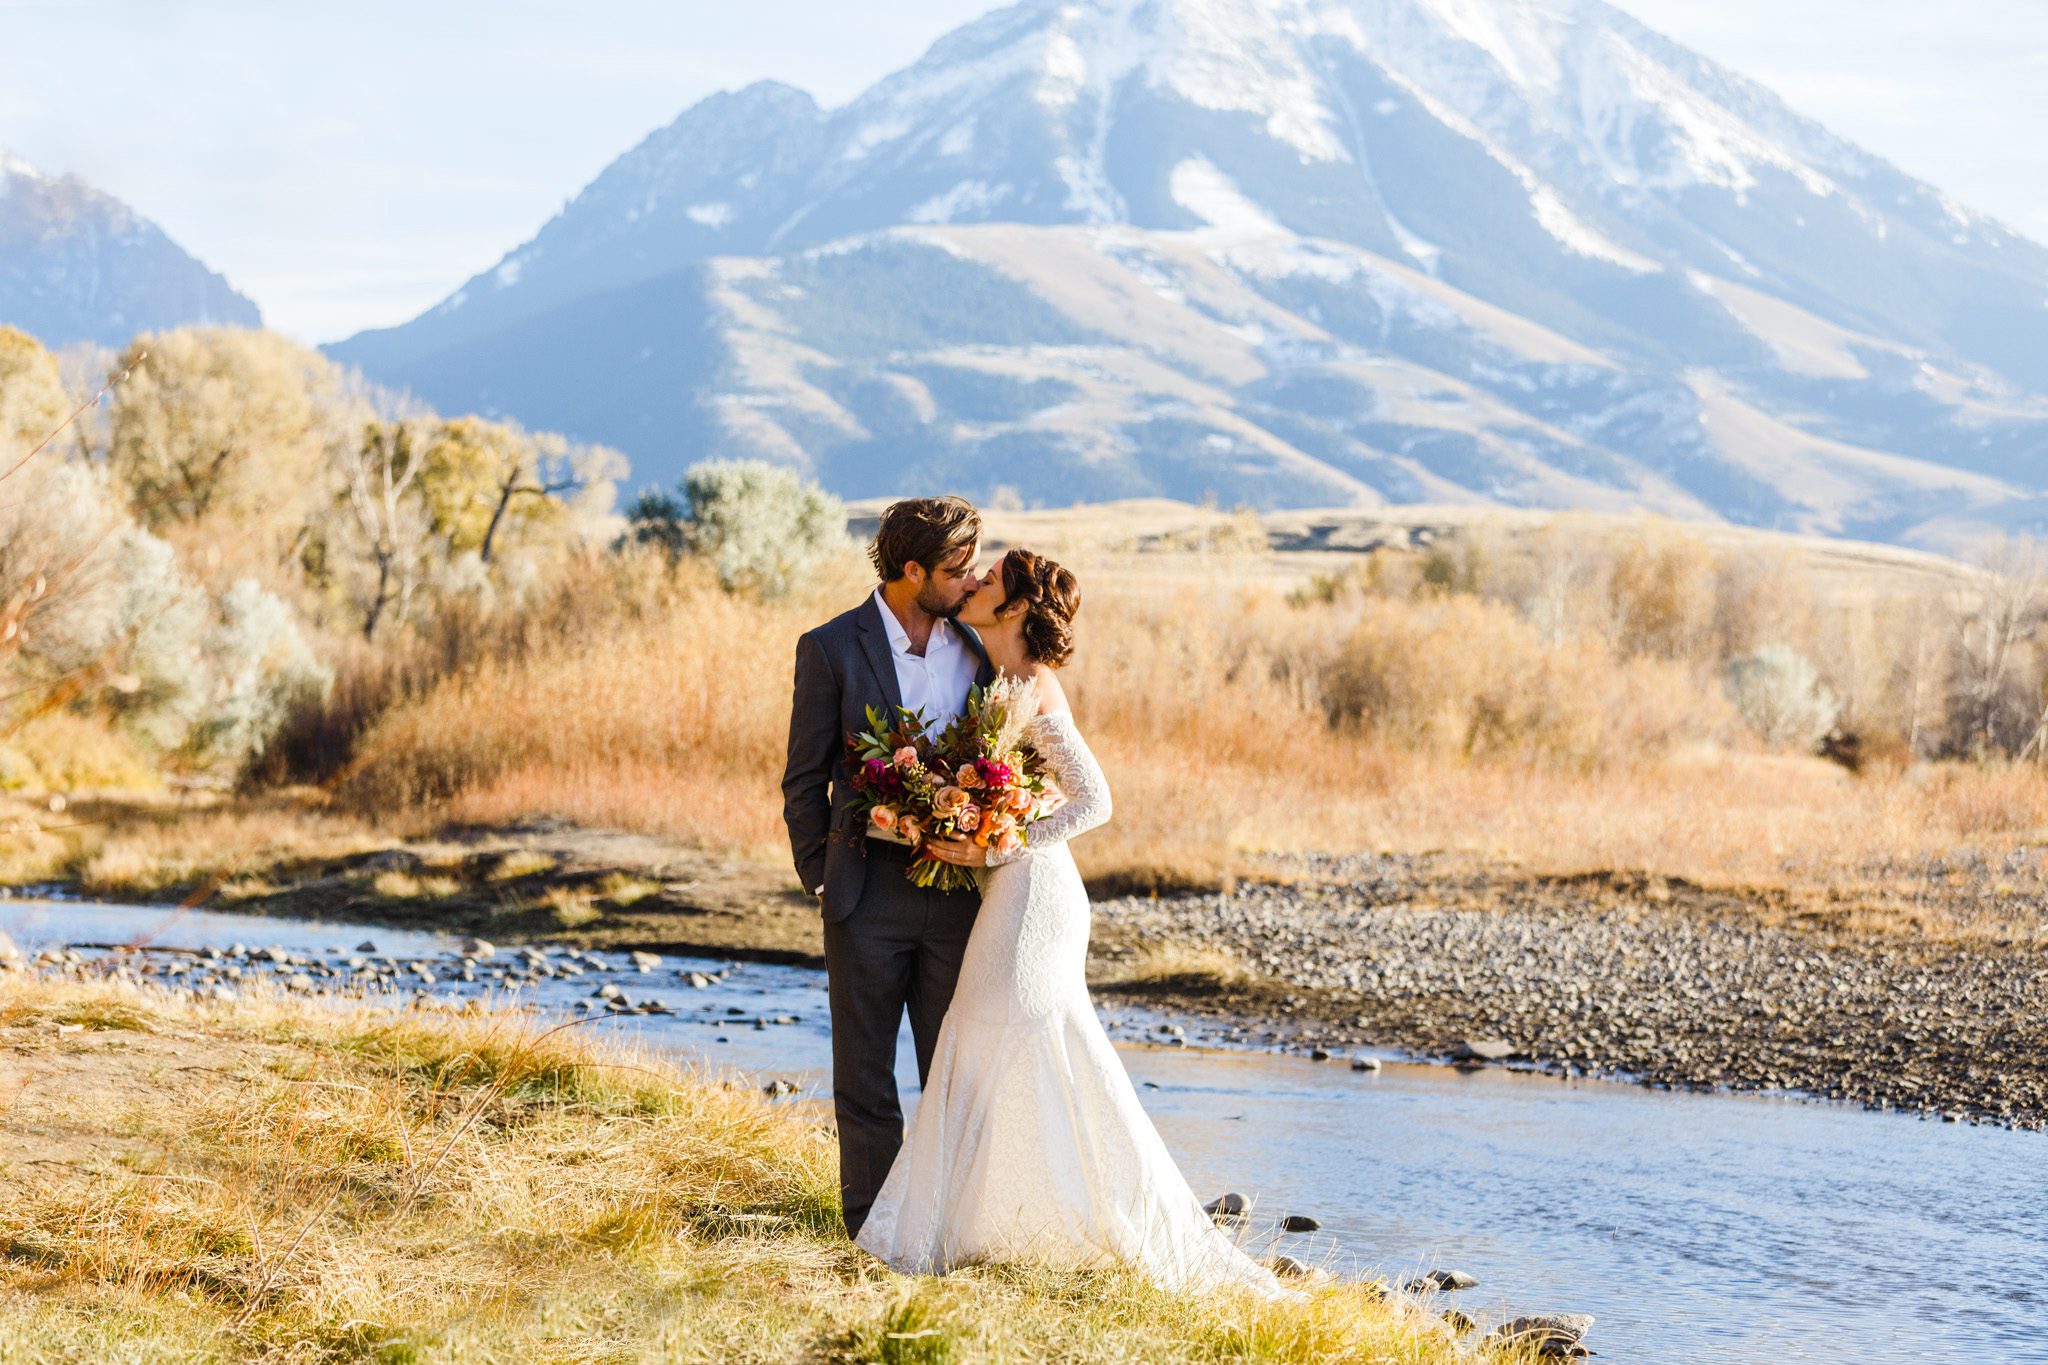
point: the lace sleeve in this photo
(1066, 756)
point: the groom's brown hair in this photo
(927, 531)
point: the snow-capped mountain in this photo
(77, 264)
(1290, 252)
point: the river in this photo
(1697, 1228)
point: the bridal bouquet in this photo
(976, 781)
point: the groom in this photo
(889, 945)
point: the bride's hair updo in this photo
(1051, 596)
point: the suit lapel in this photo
(986, 674)
(874, 642)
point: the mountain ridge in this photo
(1717, 254)
(78, 264)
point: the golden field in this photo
(1242, 705)
(1540, 695)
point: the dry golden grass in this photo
(1233, 718)
(1183, 967)
(139, 848)
(274, 1181)
(61, 752)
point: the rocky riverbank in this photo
(1919, 987)
(1605, 977)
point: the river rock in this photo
(1288, 1268)
(1447, 1280)
(368, 945)
(1299, 1222)
(608, 992)
(1228, 1208)
(1552, 1335)
(1456, 1321)
(646, 962)
(779, 1087)
(9, 954)
(1365, 1064)
(1483, 1050)
(696, 981)
(480, 949)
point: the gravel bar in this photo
(1620, 986)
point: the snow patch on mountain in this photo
(1212, 196)
(969, 197)
(1571, 231)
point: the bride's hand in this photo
(963, 852)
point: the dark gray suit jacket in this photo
(842, 668)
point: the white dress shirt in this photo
(936, 682)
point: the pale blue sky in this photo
(348, 163)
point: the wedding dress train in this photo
(1029, 1143)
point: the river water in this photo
(1696, 1228)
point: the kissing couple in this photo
(1028, 1144)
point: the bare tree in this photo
(379, 479)
(1994, 618)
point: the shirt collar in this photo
(899, 639)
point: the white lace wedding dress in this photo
(1029, 1143)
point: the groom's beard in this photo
(936, 606)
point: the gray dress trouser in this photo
(899, 949)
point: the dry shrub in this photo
(65, 752)
(1460, 725)
(1462, 676)
(670, 718)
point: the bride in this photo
(1029, 1143)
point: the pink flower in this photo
(968, 818)
(995, 774)
(906, 758)
(1011, 843)
(884, 818)
(1017, 801)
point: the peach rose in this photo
(948, 801)
(1018, 801)
(1010, 844)
(911, 828)
(906, 758)
(970, 776)
(968, 817)
(884, 818)
(999, 823)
